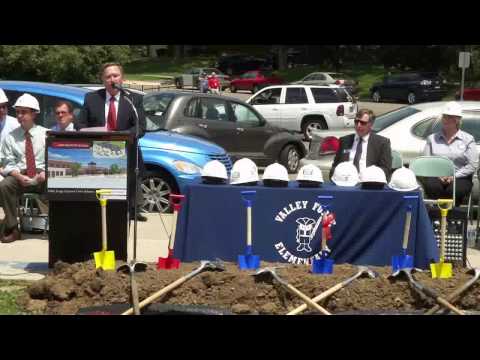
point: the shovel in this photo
(362, 270)
(271, 271)
(104, 259)
(204, 265)
(324, 265)
(404, 261)
(426, 291)
(442, 269)
(248, 261)
(170, 262)
(455, 295)
(131, 268)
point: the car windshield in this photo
(155, 107)
(392, 117)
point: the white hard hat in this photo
(373, 174)
(452, 108)
(28, 101)
(244, 171)
(403, 179)
(215, 169)
(275, 172)
(3, 97)
(311, 173)
(345, 174)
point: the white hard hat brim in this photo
(391, 186)
(345, 183)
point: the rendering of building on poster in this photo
(80, 167)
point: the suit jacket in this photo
(93, 112)
(93, 115)
(379, 152)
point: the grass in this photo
(9, 291)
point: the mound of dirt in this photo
(70, 287)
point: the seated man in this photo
(365, 148)
(64, 116)
(24, 153)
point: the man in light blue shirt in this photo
(64, 116)
(7, 123)
(458, 146)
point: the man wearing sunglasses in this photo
(364, 148)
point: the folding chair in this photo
(397, 161)
(456, 242)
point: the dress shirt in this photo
(462, 151)
(107, 106)
(362, 164)
(70, 127)
(8, 124)
(13, 149)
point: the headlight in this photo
(187, 167)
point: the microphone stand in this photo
(134, 265)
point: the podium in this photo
(78, 164)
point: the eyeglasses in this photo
(61, 112)
(356, 121)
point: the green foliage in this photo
(9, 291)
(58, 63)
(75, 167)
(114, 169)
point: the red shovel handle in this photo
(176, 201)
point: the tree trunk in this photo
(178, 51)
(282, 57)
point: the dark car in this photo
(240, 63)
(228, 122)
(411, 87)
(254, 81)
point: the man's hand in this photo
(446, 179)
(23, 180)
(40, 177)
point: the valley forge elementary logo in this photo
(303, 225)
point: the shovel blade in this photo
(105, 260)
(248, 262)
(168, 263)
(441, 270)
(322, 266)
(402, 262)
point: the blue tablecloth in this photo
(368, 231)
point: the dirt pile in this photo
(72, 287)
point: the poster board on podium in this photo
(78, 164)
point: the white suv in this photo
(305, 108)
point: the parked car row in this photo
(330, 78)
(407, 128)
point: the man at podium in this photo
(111, 110)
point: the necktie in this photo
(30, 157)
(112, 116)
(358, 154)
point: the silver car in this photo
(329, 78)
(407, 128)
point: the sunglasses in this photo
(356, 121)
(3, 106)
(61, 112)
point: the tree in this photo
(75, 167)
(114, 169)
(59, 63)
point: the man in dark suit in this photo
(364, 148)
(109, 109)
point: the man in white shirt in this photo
(7, 123)
(24, 153)
(64, 116)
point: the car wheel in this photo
(311, 125)
(411, 99)
(376, 96)
(290, 158)
(178, 84)
(156, 189)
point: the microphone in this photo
(120, 88)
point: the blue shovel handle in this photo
(247, 197)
